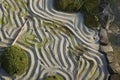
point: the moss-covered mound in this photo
(67, 5)
(14, 60)
(90, 9)
(54, 77)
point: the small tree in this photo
(14, 60)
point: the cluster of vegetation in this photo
(90, 9)
(54, 77)
(112, 1)
(14, 60)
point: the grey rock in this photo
(114, 28)
(110, 57)
(115, 67)
(103, 37)
(106, 17)
(118, 40)
(106, 48)
(114, 77)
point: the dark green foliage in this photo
(90, 9)
(67, 5)
(54, 77)
(112, 1)
(14, 60)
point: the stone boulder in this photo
(106, 48)
(115, 67)
(114, 77)
(104, 37)
(118, 39)
(110, 57)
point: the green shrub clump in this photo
(90, 9)
(67, 5)
(54, 77)
(14, 60)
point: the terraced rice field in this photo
(49, 38)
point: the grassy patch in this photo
(6, 5)
(56, 28)
(1, 21)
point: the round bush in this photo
(69, 6)
(14, 60)
(90, 9)
(54, 77)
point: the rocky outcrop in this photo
(106, 48)
(106, 18)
